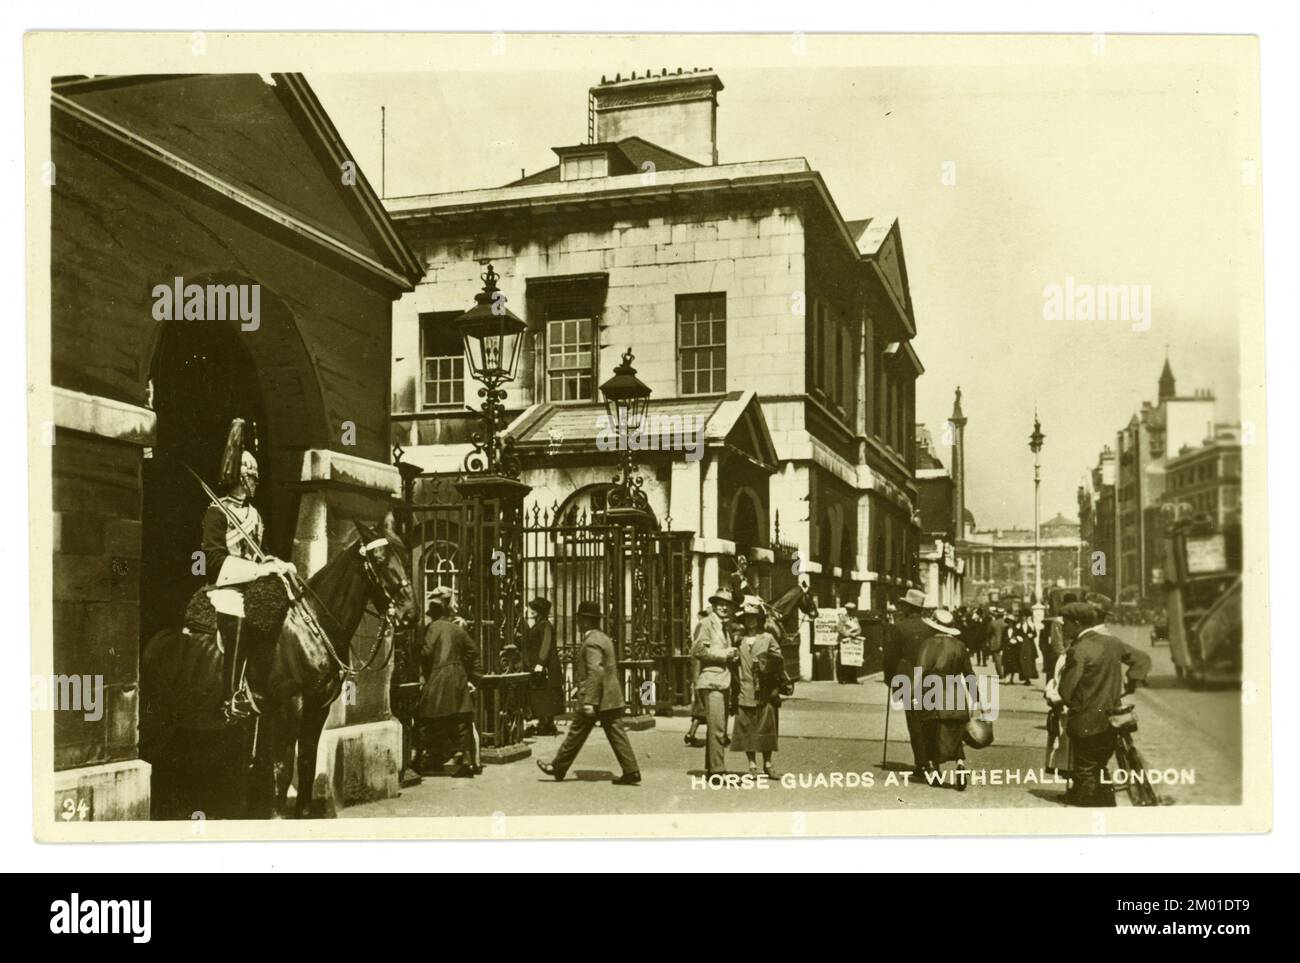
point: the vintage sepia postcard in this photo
(512, 435)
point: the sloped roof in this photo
(734, 420)
(925, 459)
(265, 141)
(636, 150)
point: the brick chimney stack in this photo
(677, 111)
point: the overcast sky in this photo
(1088, 165)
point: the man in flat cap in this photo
(602, 701)
(1092, 683)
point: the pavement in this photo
(833, 758)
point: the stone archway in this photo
(202, 374)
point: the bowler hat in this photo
(589, 610)
(540, 605)
(914, 598)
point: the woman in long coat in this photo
(546, 688)
(1022, 652)
(945, 663)
(758, 700)
(450, 665)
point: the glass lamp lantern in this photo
(627, 398)
(492, 335)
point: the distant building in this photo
(1097, 525)
(1206, 480)
(1143, 448)
(940, 493)
(1001, 562)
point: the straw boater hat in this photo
(941, 620)
(723, 595)
(914, 598)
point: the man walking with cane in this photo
(899, 651)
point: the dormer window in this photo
(579, 166)
(585, 161)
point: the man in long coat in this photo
(899, 651)
(601, 692)
(1092, 683)
(997, 628)
(449, 661)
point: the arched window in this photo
(437, 558)
(585, 506)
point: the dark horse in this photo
(783, 613)
(295, 679)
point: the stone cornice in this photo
(103, 417)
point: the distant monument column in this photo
(957, 422)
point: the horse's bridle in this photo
(387, 618)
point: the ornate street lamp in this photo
(492, 336)
(1036, 445)
(490, 589)
(627, 400)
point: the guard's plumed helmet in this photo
(238, 464)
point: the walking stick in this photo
(884, 754)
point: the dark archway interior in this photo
(202, 377)
(745, 526)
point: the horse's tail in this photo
(180, 686)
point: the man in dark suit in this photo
(1092, 683)
(602, 701)
(902, 639)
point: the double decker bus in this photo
(1203, 604)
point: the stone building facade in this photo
(213, 179)
(1205, 480)
(749, 302)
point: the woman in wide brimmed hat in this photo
(759, 699)
(945, 697)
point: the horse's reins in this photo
(387, 626)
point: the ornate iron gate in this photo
(494, 561)
(640, 579)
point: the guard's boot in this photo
(238, 704)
